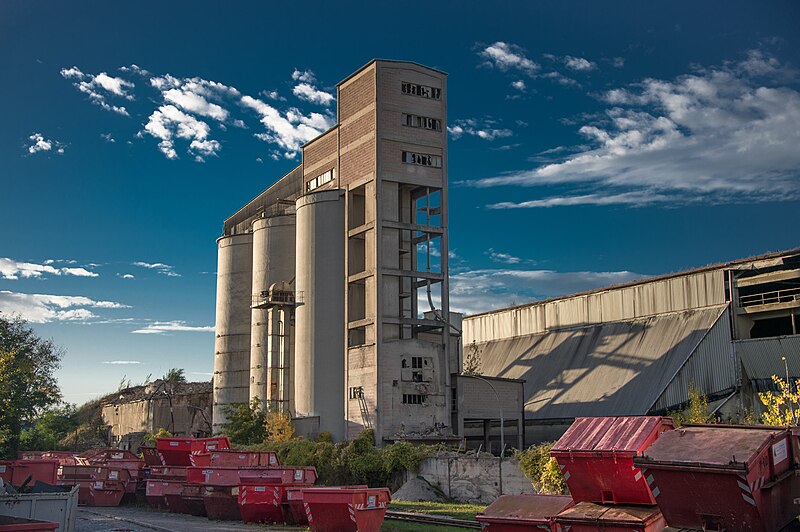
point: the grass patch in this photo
(399, 526)
(450, 509)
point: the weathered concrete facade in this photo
(356, 347)
(183, 409)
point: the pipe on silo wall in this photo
(273, 261)
(232, 342)
(320, 320)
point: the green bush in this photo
(354, 462)
(541, 469)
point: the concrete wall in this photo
(474, 479)
(192, 414)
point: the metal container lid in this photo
(526, 507)
(588, 512)
(622, 434)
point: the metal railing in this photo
(281, 297)
(787, 295)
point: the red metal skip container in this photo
(17, 471)
(9, 524)
(178, 451)
(596, 457)
(590, 517)
(518, 513)
(346, 509)
(730, 477)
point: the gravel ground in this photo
(142, 519)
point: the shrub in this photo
(541, 469)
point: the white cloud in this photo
(195, 103)
(159, 267)
(481, 290)
(168, 122)
(12, 270)
(108, 137)
(44, 308)
(578, 63)
(161, 327)
(272, 95)
(306, 76)
(99, 87)
(310, 93)
(519, 85)
(618, 62)
(121, 362)
(506, 56)
(635, 199)
(291, 131)
(483, 129)
(505, 258)
(126, 276)
(40, 143)
(723, 134)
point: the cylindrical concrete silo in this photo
(273, 261)
(232, 342)
(320, 320)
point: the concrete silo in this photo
(320, 321)
(271, 332)
(232, 342)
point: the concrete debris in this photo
(418, 489)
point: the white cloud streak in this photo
(310, 93)
(163, 327)
(506, 56)
(44, 308)
(719, 135)
(121, 362)
(483, 129)
(39, 144)
(11, 269)
(289, 131)
(159, 267)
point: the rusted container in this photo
(297, 510)
(151, 456)
(106, 492)
(518, 513)
(729, 477)
(154, 493)
(12, 524)
(346, 509)
(86, 477)
(596, 457)
(591, 517)
(221, 503)
(173, 496)
(192, 499)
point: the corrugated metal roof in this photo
(616, 368)
(620, 434)
(761, 359)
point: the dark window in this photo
(413, 399)
(415, 89)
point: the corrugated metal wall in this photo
(761, 358)
(686, 292)
(711, 368)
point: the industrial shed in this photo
(638, 348)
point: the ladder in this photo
(362, 403)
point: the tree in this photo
(50, 427)
(781, 407)
(175, 376)
(472, 363)
(279, 427)
(27, 381)
(246, 423)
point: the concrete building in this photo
(637, 348)
(332, 294)
(184, 409)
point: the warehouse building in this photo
(637, 349)
(332, 284)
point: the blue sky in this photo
(590, 144)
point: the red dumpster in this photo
(346, 509)
(233, 458)
(7, 470)
(278, 475)
(106, 492)
(192, 499)
(517, 513)
(41, 470)
(297, 510)
(151, 456)
(591, 517)
(269, 503)
(178, 451)
(596, 457)
(169, 472)
(173, 496)
(221, 502)
(9, 524)
(728, 477)
(154, 493)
